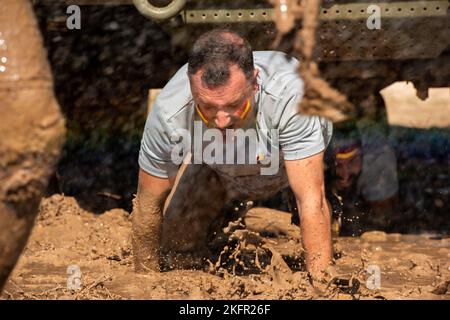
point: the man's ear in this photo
(255, 78)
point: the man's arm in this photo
(306, 178)
(147, 221)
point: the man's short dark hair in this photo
(346, 136)
(216, 51)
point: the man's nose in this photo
(222, 120)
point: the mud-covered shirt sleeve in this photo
(156, 147)
(300, 135)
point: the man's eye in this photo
(354, 161)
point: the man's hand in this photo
(147, 221)
(307, 182)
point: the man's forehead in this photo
(236, 75)
(233, 89)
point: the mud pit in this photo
(412, 266)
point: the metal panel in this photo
(348, 11)
(398, 38)
(409, 29)
(343, 34)
(435, 8)
(228, 16)
(407, 9)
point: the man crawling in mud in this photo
(361, 178)
(226, 91)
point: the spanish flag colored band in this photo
(202, 116)
(346, 155)
(246, 110)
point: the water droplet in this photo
(2, 68)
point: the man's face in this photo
(224, 107)
(348, 168)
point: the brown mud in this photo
(412, 266)
(31, 128)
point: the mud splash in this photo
(266, 258)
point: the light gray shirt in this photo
(276, 110)
(378, 179)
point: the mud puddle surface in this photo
(72, 248)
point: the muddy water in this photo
(411, 266)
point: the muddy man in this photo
(362, 177)
(226, 127)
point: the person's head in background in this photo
(347, 154)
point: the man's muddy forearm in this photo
(146, 231)
(316, 238)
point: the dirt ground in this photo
(412, 266)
